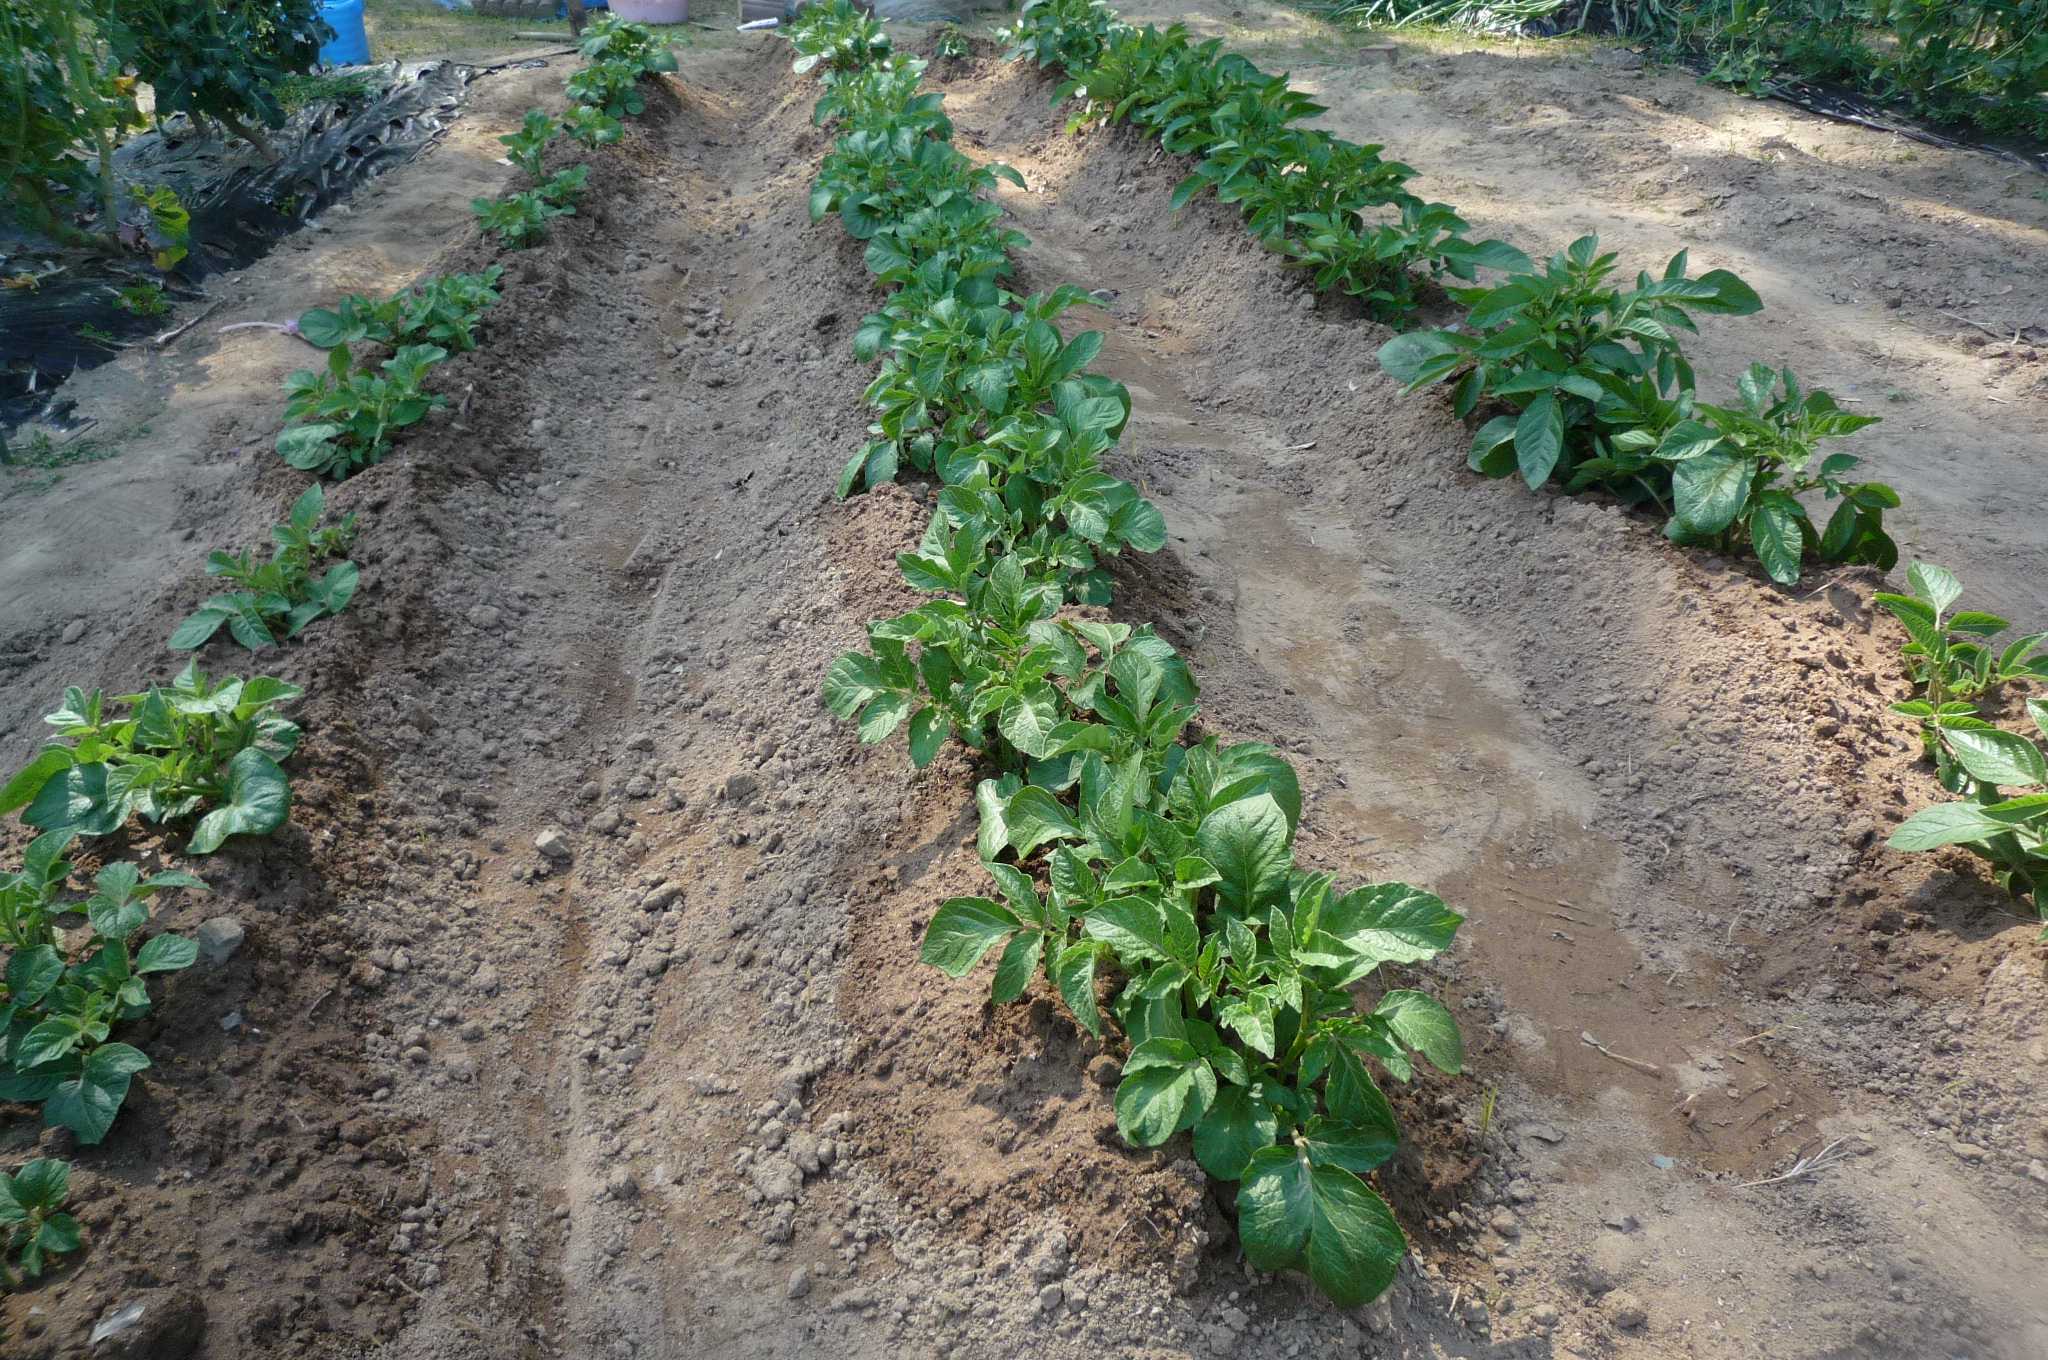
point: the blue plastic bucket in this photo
(350, 45)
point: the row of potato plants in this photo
(1582, 374)
(1142, 872)
(1582, 377)
(211, 753)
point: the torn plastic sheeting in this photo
(238, 218)
(238, 215)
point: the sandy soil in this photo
(681, 1092)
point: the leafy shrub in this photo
(224, 60)
(33, 1225)
(343, 416)
(1981, 62)
(64, 107)
(440, 311)
(280, 597)
(60, 1008)
(190, 745)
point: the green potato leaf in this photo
(963, 930)
(1167, 1087)
(258, 799)
(1421, 1022)
(2000, 758)
(1237, 1127)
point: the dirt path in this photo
(673, 1085)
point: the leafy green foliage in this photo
(278, 598)
(1063, 33)
(57, 1008)
(1601, 396)
(1951, 659)
(619, 53)
(440, 311)
(69, 73)
(63, 105)
(1979, 62)
(1145, 876)
(191, 745)
(525, 147)
(160, 224)
(518, 220)
(225, 60)
(1597, 389)
(592, 126)
(143, 299)
(343, 416)
(836, 36)
(1332, 206)
(33, 1224)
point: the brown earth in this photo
(685, 1092)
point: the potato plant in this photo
(619, 53)
(59, 1001)
(1951, 660)
(1134, 864)
(525, 147)
(33, 1224)
(837, 37)
(2003, 813)
(1601, 396)
(343, 416)
(593, 127)
(440, 311)
(191, 746)
(280, 597)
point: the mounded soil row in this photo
(681, 1089)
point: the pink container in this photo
(652, 11)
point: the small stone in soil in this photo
(219, 938)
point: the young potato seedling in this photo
(181, 748)
(33, 1224)
(280, 597)
(58, 1003)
